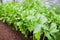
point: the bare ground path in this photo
(6, 33)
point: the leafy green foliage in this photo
(32, 16)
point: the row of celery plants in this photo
(32, 17)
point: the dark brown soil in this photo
(7, 33)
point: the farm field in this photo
(29, 20)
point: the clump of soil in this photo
(7, 33)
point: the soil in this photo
(7, 33)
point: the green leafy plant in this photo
(32, 17)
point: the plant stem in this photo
(43, 37)
(33, 36)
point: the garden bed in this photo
(33, 19)
(8, 33)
